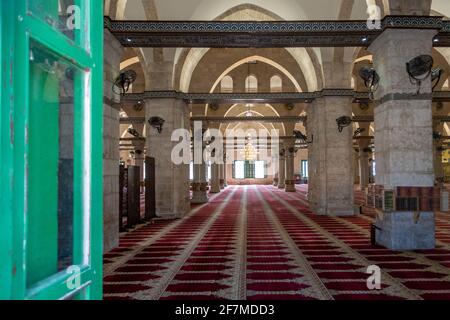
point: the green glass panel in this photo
(51, 165)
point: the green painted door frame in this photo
(35, 37)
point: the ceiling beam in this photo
(266, 34)
(130, 99)
(249, 119)
(371, 118)
(231, 98)
(359, 119)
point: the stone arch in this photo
(187, 59)
(116, 8)
(271, 111)
(264, 60)
(131, 61)
(235, 126)
(442, 61)
(269, 106)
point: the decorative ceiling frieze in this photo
(266, 34)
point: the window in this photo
(226, 85)
(251, 84)
(209, 171)
(191, 170)
(249, 170)
(304, 168)
(276, 84)
(260, 172)
(239, 170)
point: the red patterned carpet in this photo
(257, 243)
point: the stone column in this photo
(403, 140)
(111, 134)
(275, 180)
(331, 173)
(199, 182)
(290, 156)
(215, 178)
(224, 170)
(282, 168)
(356, 178)
(364, 166)
(199, 185)
(221, 176)
(437, 148)
(275, 163)
(172, 180)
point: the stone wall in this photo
(216, 61)
(112, 56)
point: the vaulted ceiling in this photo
(286, 9)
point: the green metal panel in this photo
(6, 269)
(96, 45)
(30, 153)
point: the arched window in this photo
(251, 84)
(226, 85)
(276, 84)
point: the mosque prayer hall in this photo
(209, 150)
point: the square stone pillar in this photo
(364, 166)
(111, 133)
(437, 148)
(222, 176)
(224, 173)
(200, 181)
(275, 180)
(172, 180)
(282, 168)
(199, 184)
(403, 139)
(290, 156)
(330, 158)
(215, 178)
